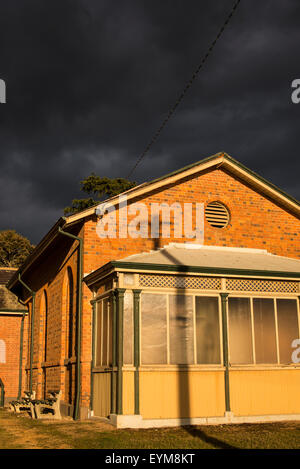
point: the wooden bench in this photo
(22, 404)
(47, 408)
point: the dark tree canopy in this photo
(100, 188)
(14, 248)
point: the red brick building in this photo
(72, 268)
(13, 327)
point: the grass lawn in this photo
(21, 432)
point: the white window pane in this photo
(287, 328)
(240, 333)
(128, 329)
(153, 328)
(207, 330)
(181, 329)
(264, 329)
(2, 351)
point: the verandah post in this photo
(120, 314)
(113, 390)
(136, 341)
(224, 300)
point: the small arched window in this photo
(2, 351)
(70, 315)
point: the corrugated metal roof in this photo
(217, 257)
(8, 301)
(6, 274)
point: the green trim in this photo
(224, 297)
(202, 270)
(93, 354)
(136, 336)
(199, 163)
(79, 314)
(186, 168)
(257, 176)
(234, 161)
(62, 220)
(113, 390)
(120, 311)
(42, 245)
(21, 356)
(2, 394)
(6, 310)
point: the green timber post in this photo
(224, 297)
(136, 341)
(2, 393)
(113, 388)
(120, 314)
(93, 353)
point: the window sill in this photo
(257, 367)
(181, 368)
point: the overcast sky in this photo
(90, 81)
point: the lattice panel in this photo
(262, 285)
(179, 281)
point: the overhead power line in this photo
(188, 85)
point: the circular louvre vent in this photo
(217, 214)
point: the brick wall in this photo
(255, 222)
(10, 327)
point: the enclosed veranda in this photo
(191, 335)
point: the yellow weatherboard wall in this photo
(101, 393)
(128, 392)
(263, 392)
(181, 394)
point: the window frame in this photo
(193, 294)
(196, 293)
(109, 339)
(274, 298)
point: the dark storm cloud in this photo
(89, 82)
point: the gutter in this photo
(31, 332)
(79, 314)
(144, 266)
(43, 244)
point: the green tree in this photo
(14, 248)
(99, 187)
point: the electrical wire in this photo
(188, 85)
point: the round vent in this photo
(217, 214)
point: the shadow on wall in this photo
(181, 352)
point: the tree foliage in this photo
(14, 248)
(98, 188)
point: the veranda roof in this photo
(184, 257)
(218, 257)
